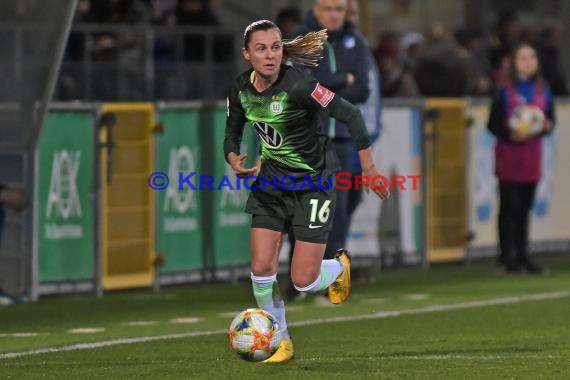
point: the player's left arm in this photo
(318, 98)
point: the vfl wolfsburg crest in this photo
(276, 107)
(268, 134)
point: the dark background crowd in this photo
(190, 43)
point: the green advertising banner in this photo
(64, 227)
(231, 245)
(178, 222)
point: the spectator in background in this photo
(371, 109)
(518, 157)
(15, 199)
(479, 66)
(192, 81)
(195, 13)
(505, 35)
(442, 69)
(411, 46)
(397, 81)
(343, 70)
(549, 52)
(101, 49)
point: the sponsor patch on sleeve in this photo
(322, 95)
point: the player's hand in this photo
(377, 184)
(236, 162)
(350, 79)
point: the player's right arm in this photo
(234, 131)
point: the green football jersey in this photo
(285, 117)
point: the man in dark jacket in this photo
(344, 70)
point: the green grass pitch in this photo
(451, 322)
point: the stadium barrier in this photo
(100, 227)
(64, 230)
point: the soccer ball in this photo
(527, 120)
(254, 335)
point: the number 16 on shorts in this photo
(320, 213)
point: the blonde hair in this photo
(303, 50)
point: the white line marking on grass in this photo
(86, 330)
(379, 315)
(108, 343)
(22, 334)
(141, 323)
(186, 320)
(416, 297)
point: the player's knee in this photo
(263, 269)
(302, 280)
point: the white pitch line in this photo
(416, 297)
(22, 334)
(379, 315)
(86, 330)
(141, 323)
(187, 320)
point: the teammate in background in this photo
(518, 157)
(283, 104)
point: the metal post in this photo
(425, 261)
(33, 292)
(56, 59)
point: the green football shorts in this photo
(308, 213)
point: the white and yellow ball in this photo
(527, 120)
(254, 335)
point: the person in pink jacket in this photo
(518, 155)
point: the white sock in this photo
(266, 293)
(330, 270)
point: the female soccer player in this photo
(518, 157)
(282, 104)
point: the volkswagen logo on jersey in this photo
(276, 107)
(268, 134)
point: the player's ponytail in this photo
(305, 50)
